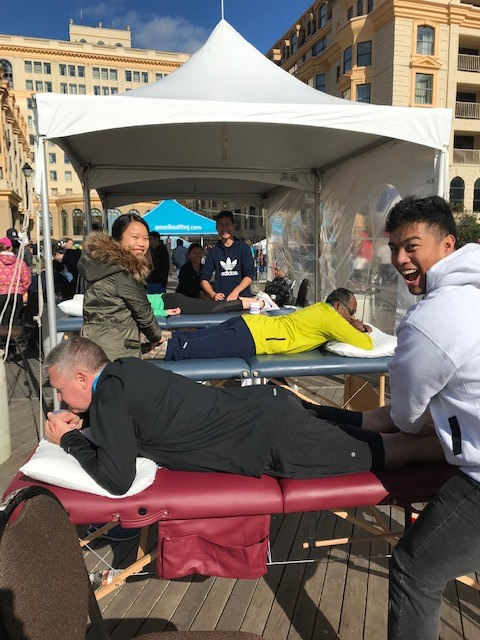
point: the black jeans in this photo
(442, 544)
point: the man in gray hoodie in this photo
(436, 370)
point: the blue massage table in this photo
(183, 321)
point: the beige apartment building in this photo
(94, 61)
(416, 53)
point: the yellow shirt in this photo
(303, 330)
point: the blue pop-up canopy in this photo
(172, 218)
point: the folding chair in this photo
(45, 591)
(302, 293)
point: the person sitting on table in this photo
(136, 409)
(249, 335)
(280, 289)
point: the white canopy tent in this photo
(231, 124)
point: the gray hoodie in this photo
(437, 361)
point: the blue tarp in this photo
(171, 218)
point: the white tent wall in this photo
(355, 198)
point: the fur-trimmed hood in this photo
(102, 256)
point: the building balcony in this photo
(466, 156)
(469, 110)
(468, 63)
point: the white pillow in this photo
(383, 345)
(73, 307)
(50, 463)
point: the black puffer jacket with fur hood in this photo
(115, 308)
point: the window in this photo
(96, 90)
(63, 69)
(38, 85)
(158, 76)
(319, 46)
(128, 76)
(72, 88)
(29, 103)
(349, 13)
(364, 54)
(31, 139)
(293, 43)
(68, 192)
(30, 122)
(66, 159)
(114, 90)
(363, 93)
(78, 222)
(63, 87)
(81, 71)
(47, 68)
(112, 215)
(104, 73)
(369, 6)
(320, 82)
(134, 212)
(145, 77)
(64, 216)
(72, 72)
(48, 87)
(29, 85)
(96, 72)
(136, 76)
(37, 67)
(118, 44)
(322, 15)
(476, 196)
(425, 40)
(52, 158)
(347, 59)
(53, 176)
(68, 176)
(82, 89)
(359, 7)
(28, 66)
(100, 42)
(423, 88)
(54, 191)
(113, 74)
(457, 193)
(105, 91)
(7, 71)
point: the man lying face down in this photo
(137, 409)
(249, 335)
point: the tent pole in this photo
(441, 169)
(318, 226)
(47, 252)
(88, 205)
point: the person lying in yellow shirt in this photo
(248, 335)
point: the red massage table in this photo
(218, 524)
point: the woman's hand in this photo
(174, 312)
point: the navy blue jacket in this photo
(231, 265)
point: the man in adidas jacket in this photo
(436, 368)
(232, 262)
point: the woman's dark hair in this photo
(434, 211)
(122, 222)
(194, 245)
